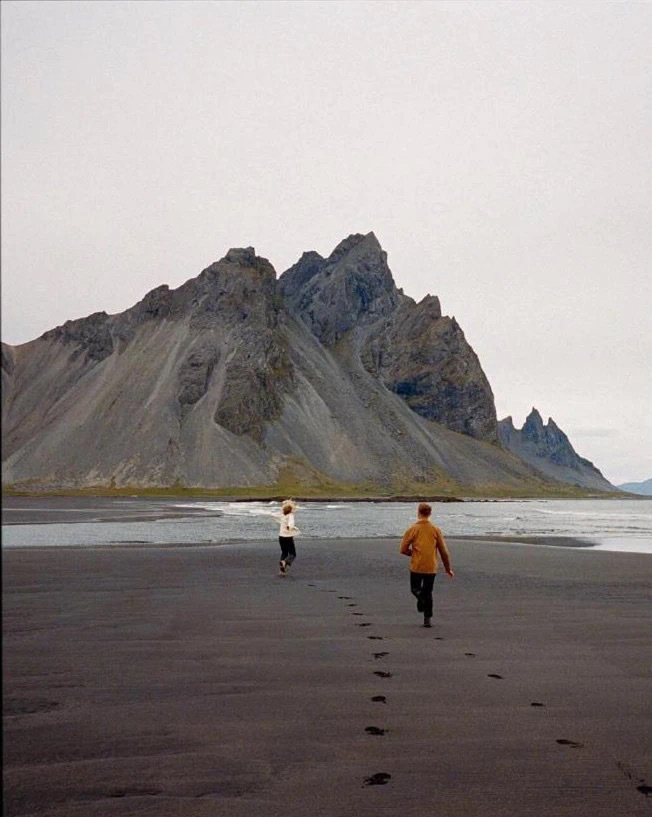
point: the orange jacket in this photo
(421, 542)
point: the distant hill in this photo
(644, 488)
(328, 378)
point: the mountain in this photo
(410, 348)
(644, 488)
(549, 450)
(327, 378)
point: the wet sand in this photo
(22, 510)
(194, 681)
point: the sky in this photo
(500, 151)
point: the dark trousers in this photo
(288, 551)
(421, 585)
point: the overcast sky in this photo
(499, 151)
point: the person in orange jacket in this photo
(421, 542)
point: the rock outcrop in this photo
(424, 358)
(328, 377)
(549, 450)
(411, 348)
(353, 287)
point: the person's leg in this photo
(426, 595)
(416, 580)
(282, 540)
(291, 551)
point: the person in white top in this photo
(286, 535)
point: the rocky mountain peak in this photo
(430, 305)
(533, 428)
(239, 267)
(300, 273)
(549, 434)
(244, 256)
(364, 242)
(239, 287)
(353, 285)
(548, 449)
(156, 303)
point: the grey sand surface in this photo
(195, 682)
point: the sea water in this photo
(606, 524)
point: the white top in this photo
(287, 525)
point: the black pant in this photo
(288, 551)
(421, 585)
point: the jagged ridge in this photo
(236, 378)
(548, 449)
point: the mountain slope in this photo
(328, 377)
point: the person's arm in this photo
(445, 555)
(406, 542)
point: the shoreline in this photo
(133, 492)
(534, 541)
(134, 522)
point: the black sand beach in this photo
(44, 510)
(194, 681)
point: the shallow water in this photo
(623, 525)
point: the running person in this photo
(421, 542)
(286, 535)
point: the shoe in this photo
(419, 606)
(282, 567)
(426, 622)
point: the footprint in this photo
(493, 675)
(375, 637)
(364, 624)
(573, 743)
(378, 779)
(379, 699)
(439, 638)
(312, 585)
(375, 730)
(351, 605)
(627, 772)
(537, 703)
(470, 654)
(380, 654)
(348, 598)
(630, 774)
(357, 614)
(381, 674)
